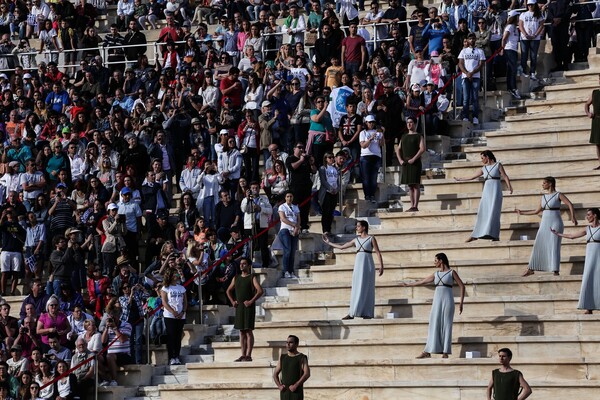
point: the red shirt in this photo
(235, 95)
(353, 48)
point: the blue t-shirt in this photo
(57, 100)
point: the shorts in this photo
(123, 359)
(10, 261)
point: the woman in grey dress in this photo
(589, 298)
(439, 337)
(490, 205)
(362, 297)
(546, 248)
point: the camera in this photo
(196, 98)
(25, 330)
(110, 320)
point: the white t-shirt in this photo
(531, 23)
(512, 42)
(471, 57)
(374, 148)
(175, 298)
(291, 214)
(301, 74)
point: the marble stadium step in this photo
(406, 308)
(476, 287)
(381, 390)
(520, 182)
(443, 235)
(484, 249)
(555, 105)
(470, 201)
(554, 134)
(575, 324)
(531, 151)
(465, 218)
(582, 164)
(544, 120)
(116, 392)
(159, 355)
(581, 76)
(571, 90)
(323, 370)
(465, 268)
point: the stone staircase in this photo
(554, 345)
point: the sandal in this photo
(242, 358)
(528, 272)
(423, 355)
(347, 317)
(470, 239)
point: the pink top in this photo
(60, 323)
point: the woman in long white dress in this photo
(362, 297)
(589, 297)
(439, 336)
(545, 255)
(490, 205)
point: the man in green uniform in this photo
(507, 383)
(294, 370)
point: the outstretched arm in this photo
(423, 281)
(569, 235)
(477, 175)
(338, 246)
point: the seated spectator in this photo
(17, 364)
(77, 320)
(57, 352)
(65, 387)
(45, 379)
(53, 321)
(8, 383)
(85, 373)
(9, 324)
(126, 274)
(69, 299)
(97, 285)
(28, 339)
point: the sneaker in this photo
(475, 121)
(466, 119)
(533, 76)
(373, 201)
(114, 383)
(104, 383)
(172, 361)
(287, 275)
(304, 230)
(515, 93)
(176, 361)
(293, 276)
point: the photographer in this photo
(27, 337)
(132, 301)
(434, 32)
(257, 213)
(115, 231)
(115, 332)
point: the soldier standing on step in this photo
(294, 370)
(506, 382)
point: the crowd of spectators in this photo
(97, 153)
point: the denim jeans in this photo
(511, 69)
(208, 210)
(369, 167)
(136, 342)
(459, 91)
(470, 96)
(529, 50)
(290, 245)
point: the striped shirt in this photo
(118, 346)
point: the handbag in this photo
(310, 38)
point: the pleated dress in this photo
(487, 225)
(362, 295)
(589, 298)
(595, 132)
(439, 337)
(546, 248)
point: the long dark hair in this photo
(595, 211)
(489, 155)
(364, 224)
(443, 258)
(552, 181)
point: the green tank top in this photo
(506, 384)
(291, 368)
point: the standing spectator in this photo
(48, 38)
(388, 108)
(227, 215)
(229, 163)
(354, 51)
(320, 133)
(328, 192)
(559, 15)
(174, 300)
(133, 221)
(115, 231)
(289, 215)
(396, 14)
(248, 135)
(116, 53)
(11, 258)
(531, 26)
(132, 305)
(257, 213)
(470, 61)
(243, 292)
(134, 37)
(409, 152)
(415, 39)
(300, 167)
(117, 332)
(371, 142)
(294, 25)
(510, 47)
(231, 89)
